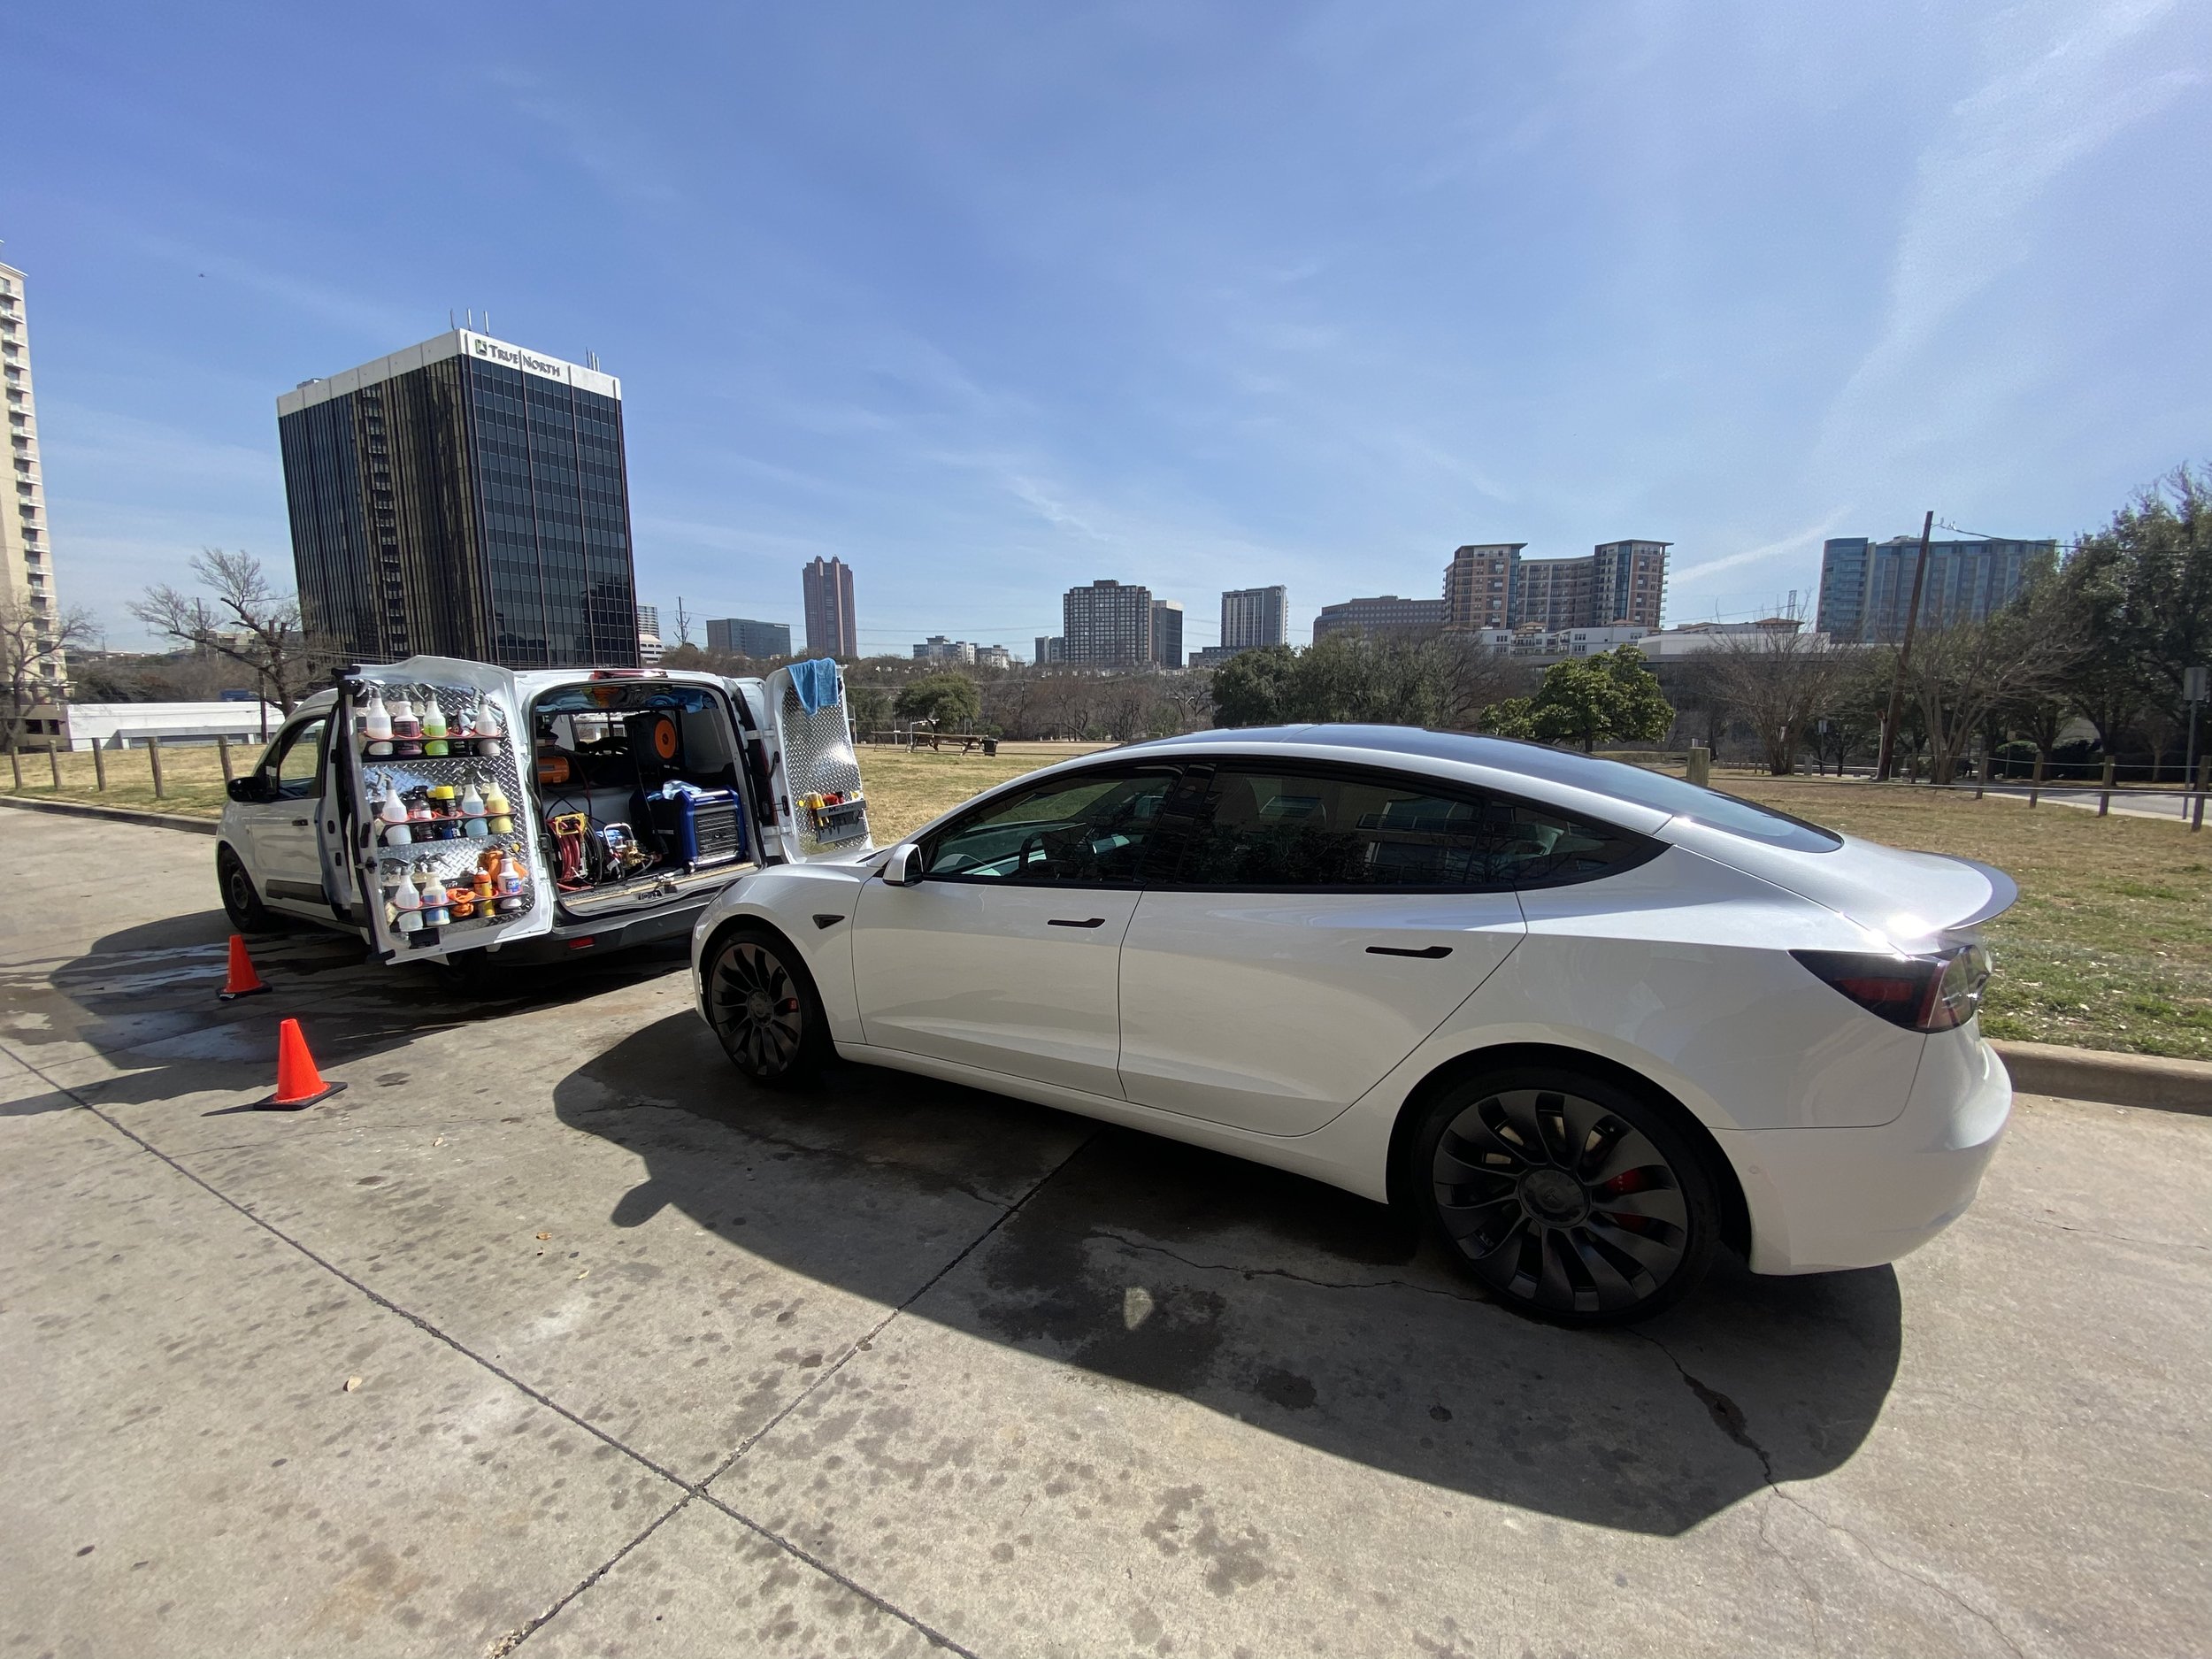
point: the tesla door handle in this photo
(1427, 953)
(300, 823)
(1063, 921)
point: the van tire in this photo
(241, 902)
(761, 1001)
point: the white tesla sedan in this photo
(1589, 1022)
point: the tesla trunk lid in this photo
(1902, 896)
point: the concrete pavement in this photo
(651, 1362)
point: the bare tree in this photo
(249, 620)
(32, 646)
(1779, 683)
(1472, 677)
(1961, 674)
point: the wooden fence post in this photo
(53, 764)
(99, 765)
(153, 758)
(222, 749)
(15, 760)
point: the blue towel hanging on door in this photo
(816, 683)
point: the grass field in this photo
(2110, 946)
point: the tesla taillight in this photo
(1935, 992)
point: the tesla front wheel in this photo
(1568, 1198)
(762, 1004)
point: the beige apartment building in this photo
(26, 553)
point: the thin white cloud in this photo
(1796, 541)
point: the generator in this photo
(699, 828)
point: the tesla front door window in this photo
(1003, 955)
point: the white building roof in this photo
(461, 342)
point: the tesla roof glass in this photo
(1618, 778)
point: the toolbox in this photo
(701, 829)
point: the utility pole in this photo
(1887, 760)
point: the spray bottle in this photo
(406, 724)
(436, 912)
(407, 901)
(499, 816)
(491, 730)
(510, 878)
(376, 728)
(394, 817)
(433, 726)
(473, 810)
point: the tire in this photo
(762, 1004)
(241, 902)
(1569, 1198)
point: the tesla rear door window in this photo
(1088, 829)
(1292, 829)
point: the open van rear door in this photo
(814, 776)
(439, 851)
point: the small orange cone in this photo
(242, 980)
(298, 1083)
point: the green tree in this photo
(945, 699)
(1253, 688)
(1608, 698)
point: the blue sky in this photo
(994, 299)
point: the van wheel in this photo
(241, 902)
(1569, 1198)
(762, 1004)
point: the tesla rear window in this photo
(1675, 797)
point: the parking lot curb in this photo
(2117, 1080)
(122, 814)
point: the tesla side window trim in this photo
(1083, 829)
(1308, 828)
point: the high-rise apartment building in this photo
(1478, 585)
(649, 618)
(741, 636)
(1167, 633)
(1386, 616)
(1051, 648)
(464, 497)
(1628, 584)
(1107, 625)
(830, 628)
(27, 548)
(1866, 587)
(1620, 584)
(1253, 617)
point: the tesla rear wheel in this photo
(762, 1004)
(1570, 1199)
(241, 902)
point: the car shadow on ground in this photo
(145, 998)
(1278, 1301)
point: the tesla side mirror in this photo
(247, 790)
(903, 867)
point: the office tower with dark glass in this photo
(1866, 587)
(465, 498)
(830, 628)
(742, 636)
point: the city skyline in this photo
(1347, 326)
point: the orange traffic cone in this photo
(298, 1082)
(242, 980)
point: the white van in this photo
(631, 796)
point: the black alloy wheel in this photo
(241, 902)
(762, 1004)
(1568, 1198)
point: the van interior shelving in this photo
(638, 791)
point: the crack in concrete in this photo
(515, 1639)
(1729, 1417)
(1284, 1272)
